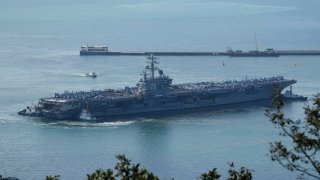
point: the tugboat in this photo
(288, 95)
(153, 94)
(91, 74)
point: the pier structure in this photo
(103, 50)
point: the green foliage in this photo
(211, 175)
(242, 174)
(124, 171)
(56, 177)
(100, 174)
(303, 153)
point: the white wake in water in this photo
(89, 124)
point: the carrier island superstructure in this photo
(154, 93)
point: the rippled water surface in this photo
(39, 55)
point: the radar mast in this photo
(152, 60)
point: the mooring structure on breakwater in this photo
(104, 50)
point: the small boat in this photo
(91, 74)
(34, 110)
(8, 178)
(288, 95)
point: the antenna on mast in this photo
(152, 61)
(255, 41)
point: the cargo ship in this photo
(153, 94)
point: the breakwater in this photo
(110, 53)
(204, 53)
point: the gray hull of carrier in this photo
(154, 94)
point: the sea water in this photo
(39, 55)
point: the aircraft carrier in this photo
(154, 93)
